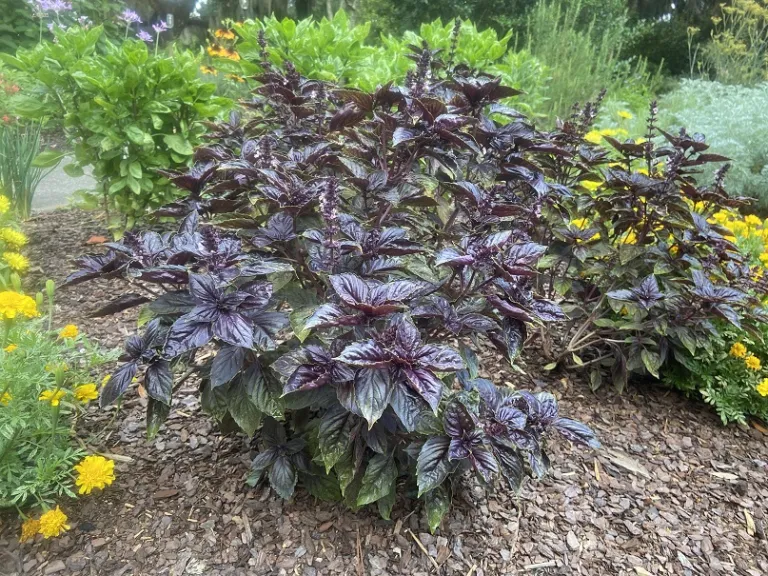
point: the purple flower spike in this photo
(160, 27)
(130, 17)
(144, 35)
(59, 6)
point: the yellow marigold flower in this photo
(591, 185)
(738, 350)
(13, 304)
(53, 523)
(625, 115)
(94, 472)
(594, 137)
(226, 34)
(86, 392)
(16, 262)
(629, 237)
(52, 396)
(209, 70)
(6, 398)
(214, 50)
(764, 258)
(13, 238)
(229, 54)
(752, 220)
(5, 204)
(752, 362)
(10, 348)
(580, 223)
(762, 388)
(29, 529)
(105, 380)
(674, 249)
(69, 331)
(235, 77)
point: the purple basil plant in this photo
(342, 260)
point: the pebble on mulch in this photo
(671, 492)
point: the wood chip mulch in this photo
(671, 492)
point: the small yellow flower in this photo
(86, 392)
(69, 331)
(52, 396)
(625, 115)
(591, 185)
(29, 529)
(762, 388)
(738, 350)
(235, 77)
(628, 237)
(16, 262)
(752, 362)
(13, 238)
(674, 249)
(213, 50)
(5, 204)
(209, 70)
(53, 523)
(105, 380)
(225, 34)
(94, 472)
(229, 54)
(752, 220)
(580, 223)
(10, 348)
(13, 304)
(6, 398)
(594, 137)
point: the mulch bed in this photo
(671, 492)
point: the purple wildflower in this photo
(59, 6)
(129, 17)
(144, 35)
(160, 27)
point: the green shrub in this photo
(732, 119)
(128, 113)
(739, 47)
(728, 373)
(582, 62)
(638, 256)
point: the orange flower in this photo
(235, 77)
(225, 34)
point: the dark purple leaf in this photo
(373, 391)
(366, 354)
(576, 432)
(439, 358)
(173, 303)
(282, 477)
(234, 328)
(159, 381)
(186, 335)
(331, 315)
(118, 383)
(351, 289)
(425, 384)
(485, 463)
(547, 311)
(433, 465)
(457, 421)
(226, 364)
(124, 302)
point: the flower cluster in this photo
(93, 472)
(13, 304)
(751, 363)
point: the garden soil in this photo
(671, 492)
